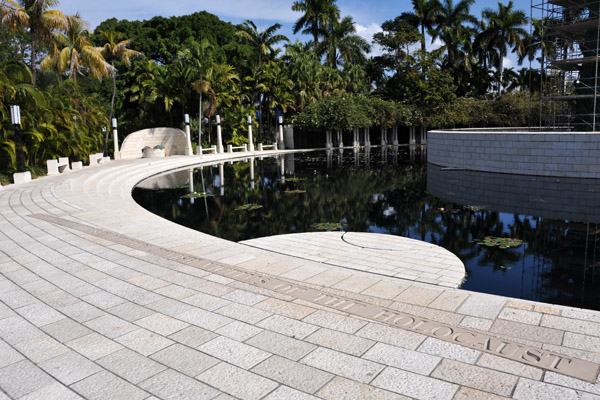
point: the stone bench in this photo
(98, 158)
(57, 167)
(262, 147)
(231, 148)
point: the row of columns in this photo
(388, 137)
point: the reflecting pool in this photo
(554, 258)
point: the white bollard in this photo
(219, 136)
(188, 136)
(250, 141)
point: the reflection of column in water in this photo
(395, 155)
(367, 155)
(341, 157)
(290, 164)
(191, 183)
(329, 158)
(384, 154)
(356, 157)
(423, 153)
(222, 179)
(281, 163)
(412, 148)
(252, 172)
(204, 191)
(340, 139)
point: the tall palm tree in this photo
(505, 28)
(451, 24)
(425, 13)
(74, 52)
(35, 16)
(116, 49)
(342, 46)
(317, 16)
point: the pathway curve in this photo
(100, 299)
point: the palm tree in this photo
(116, 49)
(35, 16)
(505, 28)
(425, 14)
(451, 24)
(342, 46)
(317, 16)
(75, 53)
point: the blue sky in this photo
(368, 15)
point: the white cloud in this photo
(507, 63)
(367, 32)
(437, 43)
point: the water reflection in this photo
(359, 189)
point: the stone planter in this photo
(153, 153)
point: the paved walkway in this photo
(102, 299)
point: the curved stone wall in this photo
(562, 154)
(173, 140)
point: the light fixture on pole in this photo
(219, 135)
(117, 155)
(15, 118)
(280, 143)
(15, 115)
(250, 140)
(188, 135)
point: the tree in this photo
(116, 49)
(317, 16)
(505, 28)
(35, 16)
(72, 51)
(341, 45)
(425, 15)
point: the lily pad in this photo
(500, 242)
(327, 226)
(293, 179)
(197, 195)
(295, 191)
(248, 207)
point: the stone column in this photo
(188, 135)
(423, 135)
(219, 136)
(250, 140)
(395, 135)
(340, 138)
(328, 139)
(367, 136)
(383, 136)
(356, 141)
(116, 139)
(412, 139)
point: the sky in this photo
(368, 15)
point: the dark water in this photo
(396, 192)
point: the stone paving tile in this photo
(520, 305)
(401, 358)
(572, 325)
(144, 342)
(239, 331)
(285, 308)
(204, 319)
(281, 345)
(390, 335)
(16, 298)
(206, 301)
(184, 359)
(523, 316)
(424, 312)
(296, 375)
(286, 393)
(94, 346)
(105, 385)
(342, 364)
(335, 321)
(476, 377)
(567, 351)
(340, 341)
(53, 391)
(130, 311)
(193, 336)
(8, 355)
(327, 278)
(577, 384)
(130, 365)
(481, 324)
(451, 351)
(250, 315)
(234, 352)
(147, 282)
(526, 331)
(449, 300)
(466, 393)
(528, 389)
(414, 385)
(287, 326)
(15, 330)
(175, 292)
(342, 388)
(355, 284)
(103, 300)
(169, 307)
(38, 349)
(110, 326)
(584, 315)
(69, 367)
(418, 295)
(40, 314)
(161, 324)
(226, 378)
(244, 297)
(81, 312)
(582, 342)
(482, 306)
(174, 385)
(510, 366)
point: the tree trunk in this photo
(501, 69)
(200, 121)
(33, 57)
(112, 107)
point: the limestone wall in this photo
(173, 140)
(568, 154)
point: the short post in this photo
(230, 148)
(117, 155)
(260, 147)
(281, 145)
(250, 141)
(188, 136)
(219, 136)
(15, 118)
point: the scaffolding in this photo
(570, 31)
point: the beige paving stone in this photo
(22, 378)
(110, 326)
(8, 355)
(130, 365)
(414, 385)
(239, 331)
(342, 388)
(40, 314)
(546, 310)
(482, 306)
(418, 295)
(174, 385)
(355, 284)
(327, 278)
(385, 289)
(342, 364)
(465, 393)
(424, 312)
(226, 378)
(53, 391)
(105, 385)
(449, 300)
(338, 322)
(526, 331)
(103, 300)
(577, 384)
(528, 389)
(161, 324)
(401, 358)
(285, 308)
(519, 305)
(390, 335)
(193, 336)
(296, 375)
(70, 367)
(206, 301)
(481, 324)
(523, 316)
(286, 393)
(512, 367)
(81, 312)
(572, 325)
(340, 341)
(204, 319)
(94, 346)
(476, 377)
(250, 315)
(169, 307)
(281, 345)
(144, 342)
(15, 330)
(147, 282)
(175, 291)
(287, 326)
(448, 350)
(244, 297)
(130, 311)
(234, 352)
(184, 359)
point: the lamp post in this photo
(117, 155)
(188, 136)
(15, 118)
(281, 143)
(250, 141)
(219, 136)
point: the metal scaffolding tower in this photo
(570, 29)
